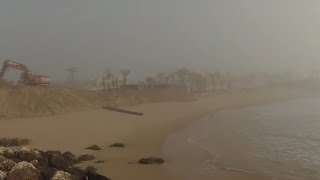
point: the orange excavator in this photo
(27, 78)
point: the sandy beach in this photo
(143, 135)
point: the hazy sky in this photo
(150, 36)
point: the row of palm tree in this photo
(205, 82)
(196, 82)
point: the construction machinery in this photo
(27, 78)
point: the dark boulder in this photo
(120, 145)
(151, 161)
(99, 162)
(46, 172)
(86, 157)
(28, 155)
(94, 147)
(24, 171)
(61, 175)
(50, 153)
(69, 156)
(57, 161)
(43, 160)
(8, 153)
(78, 173)
(93, 175)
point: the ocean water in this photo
(279, 141)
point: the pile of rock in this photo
(27, 164)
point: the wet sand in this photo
(143, 135)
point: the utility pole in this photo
(72, 72)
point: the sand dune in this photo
(17, 102)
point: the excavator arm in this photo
(27, 78)
(4, 68)
(12, 64)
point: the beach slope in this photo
(142, 135)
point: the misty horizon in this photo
(160, 36)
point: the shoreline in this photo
(184, 139)
(234, 173)
(144, 136)
(231, 154)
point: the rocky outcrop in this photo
(59, 162)
(78, 173)
(24, 171)
(60, 175)
(46, 172)
(2, 175)
(8, 153)
(93, 175)
(27, 164)
(6, 164)
(28, 155)
(69, 156)
(35, 163)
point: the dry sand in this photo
(17, 102)
(142, 135)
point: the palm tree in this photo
(197, 82)
(109, 77)
(104, 82)
(201, 83)
(192, 81)
(213, 78)
(125, 73)
(116, 81)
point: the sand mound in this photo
(39, 101)
(4, 84)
